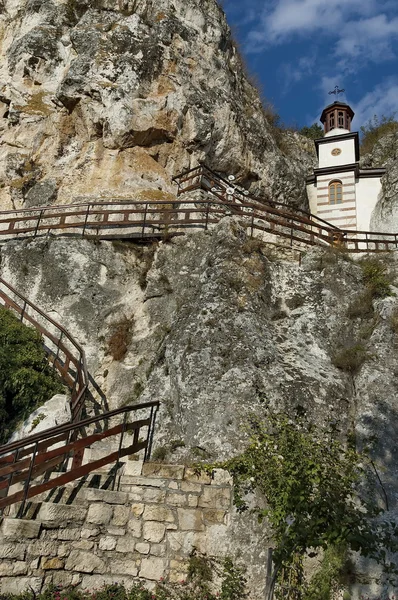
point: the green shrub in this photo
(350, 359)
(313, 133)
(26, 378)
(326, 580)
(361, 307)
(375, 129)
(375, 277)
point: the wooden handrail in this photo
(23, 463)
(64, 351)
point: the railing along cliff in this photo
(62, 449)
(159, 219)
(66, 355)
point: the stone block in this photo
(190, 519)
(221, 477)
(125, 566)
(183, 542)
(107, 543)
(107, 496)
(135, 494)
(152, 568)
(88, 533)
(176, 499)
(69, 535)
(62, 579)
(190, 486)
(213, 516)
(149, 482)
(17, 585)
(154, 495)
(173, 485)
(180, 565)
(126, 544)
(100, 514)
(158, 513)
(216, 497)
(192, 501)
(158, 549)
(20, 568)
(19, 528)
(6, 569)
(121, 515)
(61, 514)
(42, 548)
(133, 468)
(134, 527)
(119, 531)
(84, 562)
(63, 550)
(154, 531)
(95, 582)
(195, 477)
(84, 545)
(34, 564)
(12, 551)
(142, 548)
(137, 509)
(162, 470)
(50, 564)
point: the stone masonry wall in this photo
(147, 530)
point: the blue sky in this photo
(301, 49)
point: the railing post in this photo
(38, 223)
(23, 310)
(144, 222)
(27, 483)
(207, 216)
(120, 449)
(150, 433)
(58, 348)
(86, 219)
(268, 580)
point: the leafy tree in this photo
(26, 378)
(314, 132)
(310, 480)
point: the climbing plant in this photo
(310, 480)
(26, 378)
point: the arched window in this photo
(341, 120)
(335, 192)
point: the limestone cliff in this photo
(220, 326)
(105, 98)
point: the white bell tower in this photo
(339, 191)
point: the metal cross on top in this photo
(337, 91)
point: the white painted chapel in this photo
(338, 190)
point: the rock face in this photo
(104, 99)
(219, 326)
(385, 154)
(53, 413)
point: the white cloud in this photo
(357, 29)
(383, 100)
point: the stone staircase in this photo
(91, 536)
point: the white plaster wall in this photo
(347, 156)
(336, 131)
(367, 193)
(312, 197)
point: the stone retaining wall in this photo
(147, 530)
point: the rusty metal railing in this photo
(202, 177)
(58, 453)
(66, 355)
